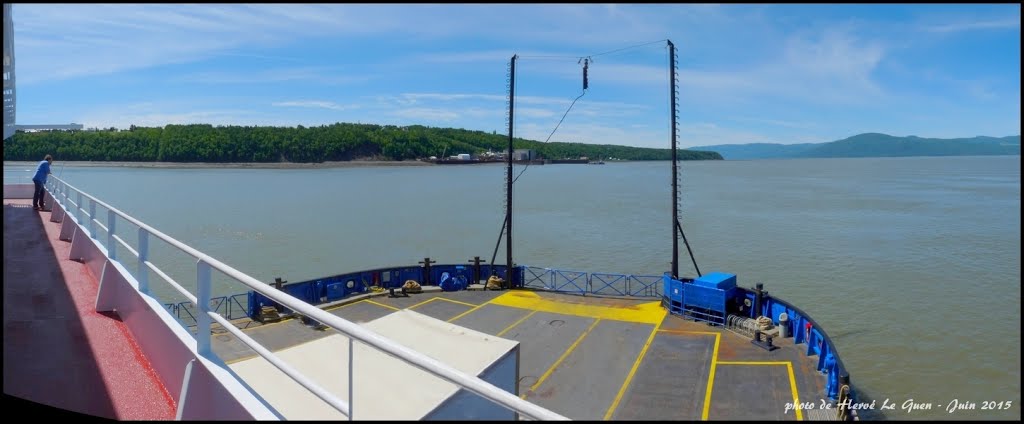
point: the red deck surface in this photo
(58, 350)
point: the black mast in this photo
(508, 182)
(675, 171)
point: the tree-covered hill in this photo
(337, 142)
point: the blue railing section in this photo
(337, 287)
(683, 297)
(231, 307)
(599, 283)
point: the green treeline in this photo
(337, 142)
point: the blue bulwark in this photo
(706, 298)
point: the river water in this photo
(912, 265)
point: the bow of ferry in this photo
(84, 332)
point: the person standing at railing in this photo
(40, 181)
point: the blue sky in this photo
(748, 73)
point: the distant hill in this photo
(872, 145)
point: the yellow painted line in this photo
(520, 321)
(456, 301)
(561, 358)
(711, 378)
(754, 363)
(423, 303)
(792, 379)
(282, 321)
(347, 304)
(792, 388)
(646, 313)
(382, 305)
(632, 372)
(468, 312)
(687, 332)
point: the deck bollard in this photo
(476, 270)
(426, 270)
(278, 283)
(783, 325)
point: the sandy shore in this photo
(275, 165)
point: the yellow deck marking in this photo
(347, 304)
(561, 358)
(423, 303)
(753, 362)
(648, 313)
(792, 379)
(382, 305)
(456, 301)
(468, 312)
(792, 388)
(686, 332)
(520, 321)
(632, 372)
(711, 378)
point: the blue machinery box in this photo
(717, 280)
(704, 299)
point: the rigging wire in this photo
(588, 59)
(630, 47)
(552, 133)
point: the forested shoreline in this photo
(336, 142)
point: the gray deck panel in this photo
(491, 319)
(442, 309)
(751, 392)
(274, 337)
(587, 381)
(541, 342)
(360, 312)
(671, 381)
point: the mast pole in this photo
(508, 177)
(675, 165)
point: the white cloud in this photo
(319, 75)
(975, 25)
(315, 104)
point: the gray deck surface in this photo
(670, 382)
(687, 358)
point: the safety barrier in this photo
(231, 307)
(597, 283)
(79, 217)
(336, 287)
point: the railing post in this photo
(79, 208)
(92, 219)
(351, 377)
(111, 245)
(143, 272)
(203, 306)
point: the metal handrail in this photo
(205, 264)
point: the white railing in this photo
(73, 201)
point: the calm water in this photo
(911, 264)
